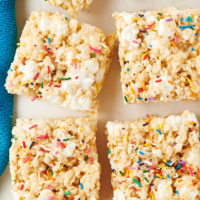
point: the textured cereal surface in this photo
(155, 158)
(60, 61)
(55, 159)
(159, 54)
(73, 6)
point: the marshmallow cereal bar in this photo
(159, 54)
(156, 158)
(55, 159)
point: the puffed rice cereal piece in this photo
(156, 158)
(159, 54)
(61, 61)
(55, 159)
(72, 6)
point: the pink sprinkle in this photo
(33, 126)
(34, 98)
(91, 159)
(56, 152)
(95, 50)
(131, 141)
(89, 149)
(131, 168)
(26, 160)
(157, 81)
(134, 41)
(42, 137)
(119, 182)
(184, 166)
(175, 40)
(49, 187)
(51, 197)
(191, 172)
(152, 167)
(22, 187)
(75, 65)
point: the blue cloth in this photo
(8, 34)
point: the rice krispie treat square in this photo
(159, 54)
(55, 159)
(156, 158)
(60, 61)
(72, 6)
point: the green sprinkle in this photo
(66, 139)
(66, 18)
(109, 151)
(42, 85)
(94, 55)
(86, 158)
(146, 179)
(160, 14)
(121, 173)
(139, 184)
(145, 171)
(15, 138)
(158, 18)
(66, 193)
(125, 98)
(65, 79)
(51, 172)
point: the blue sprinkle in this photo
(196, 34)
(145, 124)
(136, 149)
(147, 34)
(139, 161)
(81, 186)
(192, 49)
(199, 138)
(49, 40)
(141, 164)
(168, 175)
(127, 69)
(178, 166)
(11, 69)
(177, 192)
(31, 145)
(142, 153)
(184, 27)
(139, 98)
(158, 131)
(150, 45)
(181, 19)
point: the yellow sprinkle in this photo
(143, 85)
(164, 160)
(158, 175)
(136, 18)
(20, 153)
(132, 90)
(143, 56)
(81, 129)
(126, 138)
(130, 172)
(152, 196)
(24, 83)
(161, 125)
(25, 54)
(173, 44)
(168, 186)
(191, 84)
(42, 55)
(65, 93)
(146, 145)
(62, 127)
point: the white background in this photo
(111, 101)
